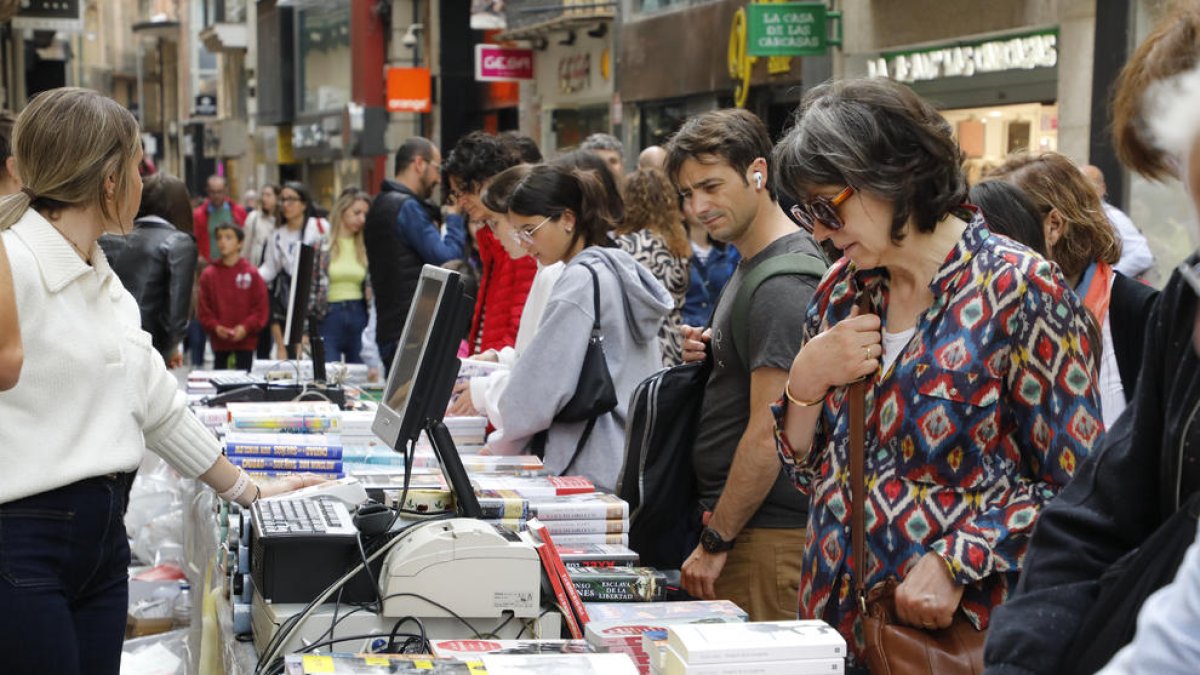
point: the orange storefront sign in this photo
(409, 90)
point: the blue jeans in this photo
(196, 340)
(342, 331)
(64, 578)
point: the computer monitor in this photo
(298, 297)
(297, 320)
(423, 373)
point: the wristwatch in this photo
(712, 541)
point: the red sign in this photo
(502, 64)
(409, 90)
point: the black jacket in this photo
(1147, 467)
(1128, 316)
(157, 263)
(393, 265)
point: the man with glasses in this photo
(720, 163)
(402, 235)
(505, 275)
(216, 210)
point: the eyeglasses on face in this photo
(288, 199)
(823, 209)
(525, 234)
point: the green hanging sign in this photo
(789, 29)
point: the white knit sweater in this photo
(93, 392)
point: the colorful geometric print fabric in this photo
(981, 420)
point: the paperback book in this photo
(618, 584)
(470, 650)
(302, 446)
(533, 487)
(586, 506)
(587, 539)
(752, 642)
(287, 464)
(311, 417)
(370, 664)
(596, 555)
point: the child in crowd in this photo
(233, 302)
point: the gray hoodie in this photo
(632, 307)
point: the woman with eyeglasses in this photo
(296, 223)
(980, 392)
(559, 216)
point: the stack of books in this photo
(471, 650)
(485, 664)
(573, 519)
(761, 648)
(273, 439)
(619, 627)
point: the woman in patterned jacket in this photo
(981, 396)
(653, 234)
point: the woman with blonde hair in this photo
(93, 394)
(346, 268)
(653, 234)
(1080, 238)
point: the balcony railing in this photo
(526, 15)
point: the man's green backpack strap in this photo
(788, 263)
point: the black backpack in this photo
(657, 478)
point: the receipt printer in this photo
(467, 566)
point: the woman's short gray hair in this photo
(878, 136)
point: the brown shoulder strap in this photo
(858, 482)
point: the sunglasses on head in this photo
(823, 209)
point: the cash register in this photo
(441, 568)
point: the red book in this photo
(560, 595)
(539, 530)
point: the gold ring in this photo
(867, 349)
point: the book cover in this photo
(618, 584)
(532, 487)
(469, 650)
(539, 530)
(293, 417)
(584, 506)
(558, 527)
(588, 539)
(287, 464)
(654, 644)
(309, 446)
(503, 504)
(370, 664)
(674, 665)
(328, 475)
(556, 585)
(559, 664)
(659, 611)
(753, 642)
(596, 555)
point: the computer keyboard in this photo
(301, 517)
(225, 382)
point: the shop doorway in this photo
(988, 135)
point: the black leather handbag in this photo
(595, 395)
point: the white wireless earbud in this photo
(758, 179)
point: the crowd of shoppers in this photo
(1027, 399)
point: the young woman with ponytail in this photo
(92, 396)
(562, 214)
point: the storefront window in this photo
(571, 126)
(323, 39)
(655, 5)
(988, 135)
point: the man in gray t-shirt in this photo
(753, 537)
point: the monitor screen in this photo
(298, 298)
(413, 343)
(423, 374)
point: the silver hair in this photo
(601, 141)
(877, 136)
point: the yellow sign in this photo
(741, 64)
